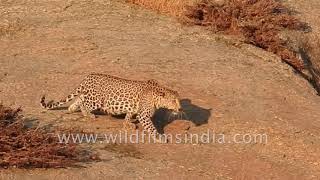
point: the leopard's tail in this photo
(53, 104)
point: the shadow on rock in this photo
(191, 112)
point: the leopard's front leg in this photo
(128, 124)
(144, 117)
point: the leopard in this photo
(119, 96)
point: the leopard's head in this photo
(169, 99)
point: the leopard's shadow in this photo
(196, 114)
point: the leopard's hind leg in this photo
(75, 106)
(86, 107)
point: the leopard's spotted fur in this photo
(116, 96)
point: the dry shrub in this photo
(24, 147)
(257, 21)
(8, 115)
(172, 7)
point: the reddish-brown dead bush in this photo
(258, 21)
(33, 147)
